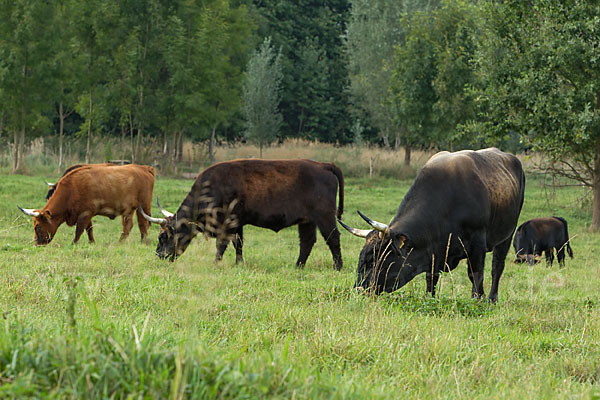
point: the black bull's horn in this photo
(151, 219)
(162, 210)
(362, 233)
(376, 225)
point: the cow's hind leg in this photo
(127, 221)
(331, 234)
(475, 264)
(308, 236)
(498, 262)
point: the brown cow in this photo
(95, 190)
(272, 194)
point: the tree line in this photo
(448, 74)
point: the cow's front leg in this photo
(549, 256)
(238, 243)
(308, 236)
(431, 280)
(127, 220)
(475, 264)
(90, 232)
(82, 223)
(221, 247)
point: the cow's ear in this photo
(399, 241)
(47, 214)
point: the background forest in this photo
(136, 79)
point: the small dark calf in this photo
(542, 235)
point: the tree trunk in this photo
(16, 152)
(397, 142)
(180, 147)
(260, 146)
(2, 121)
(131, 137)
(89, 135)
(165, 140)
(61, 131)
(386, 139)
(122, 155)
(596, 190)
(211, 146)
(407, 150)
(174, 152)
(138, 144)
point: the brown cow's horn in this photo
(50, 184)
(362, 233)
(377, 225)
(29, 211)
(152, 219)
(162, 210)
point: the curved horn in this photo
(50, 184)
(162, 210)
(377, 225)
(362, 233)
(29, 211)
(152, 219)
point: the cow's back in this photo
(281, 192)
(100, 189)
(465, 190)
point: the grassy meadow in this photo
(111, 320)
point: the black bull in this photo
(272, 194)
(542, 235)
(461, 205)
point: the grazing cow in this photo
(52, 186)
(88, 191)
(271, 194)
(461, 205)
(542, 235)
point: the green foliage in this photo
(538, 70)
(314, 101)
(262, 94)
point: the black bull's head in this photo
(387, 261)
(174, 236)
(178, 230)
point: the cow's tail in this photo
(340, 177)
(568, 243)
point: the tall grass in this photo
(41, 157)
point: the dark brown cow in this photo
(461, 205)
(88, 191)
(271, 194)
(542, 235)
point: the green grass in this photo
(112, 320)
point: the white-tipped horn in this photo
(377, 225)
(361, 233)
(29, 211)
(152, 219)
(50, 184)
(162, 210)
